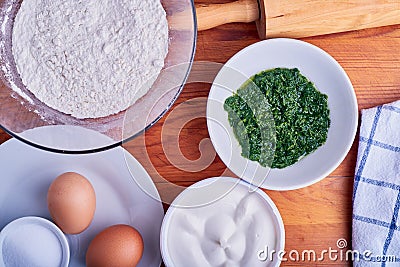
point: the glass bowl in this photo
(67, 134)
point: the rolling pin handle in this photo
(213, 15)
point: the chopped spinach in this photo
(281, 110)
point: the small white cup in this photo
(33, 241)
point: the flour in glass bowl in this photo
(89, 58)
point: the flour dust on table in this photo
(89, 58)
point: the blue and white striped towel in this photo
(376, 193)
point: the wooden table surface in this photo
(317, 216)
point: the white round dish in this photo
(329, 78)
(42, 241)
(27, 173)
(239, 214)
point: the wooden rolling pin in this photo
(301, 18)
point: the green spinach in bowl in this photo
(300, 113)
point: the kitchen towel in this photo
(376, 192)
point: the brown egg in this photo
(72, 202)
(118, 246)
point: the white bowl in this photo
(32, 241)
(329, 78)
(190, 214)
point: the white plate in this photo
(27, 172)
(327, 75)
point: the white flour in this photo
(89, 58)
